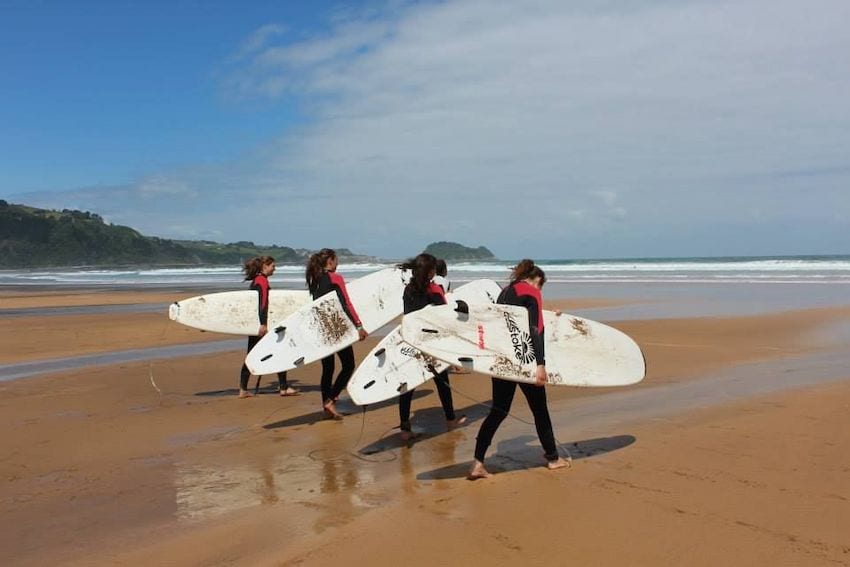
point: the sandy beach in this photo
(735, 450)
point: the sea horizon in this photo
(810, 268)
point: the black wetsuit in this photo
(414, 302)
(260, 284)
(525, 295)
(332, 282)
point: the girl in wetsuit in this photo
(418, 293)
(524, 290)
(258, 270)
(322, 279)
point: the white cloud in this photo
(543, 128)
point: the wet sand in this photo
(158, 463)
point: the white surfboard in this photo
(235, 312)
(394, 366)
(494, 340)
(321, 327)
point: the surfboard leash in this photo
(150, 366)
(352, 451)
(516, 417)
(357, 454)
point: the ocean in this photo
(765, 269)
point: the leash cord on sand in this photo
(521, 420)
(153, 382)
(313, 455)
(353, 450)
(150, 366)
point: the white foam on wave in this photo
(768, 270)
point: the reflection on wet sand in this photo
(336, 483)
(207, 491)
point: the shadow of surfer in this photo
(344, 405)
(432, 419)
(269, 388)
(523, 453)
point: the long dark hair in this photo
(421, 268)
(442, 269)
(527, 269)
(254, 267)
(316, 266)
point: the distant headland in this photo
(37, 238)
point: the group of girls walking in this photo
(427, 286)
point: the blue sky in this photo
(550, 129)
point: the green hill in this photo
(31, 238)
(454, 251)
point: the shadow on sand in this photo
(344, 406)
(271, 387)
(524, 452)
(427, 424)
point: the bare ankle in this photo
(559, 463)
(477, 471)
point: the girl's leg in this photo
(445, 393)
(536, 397)
(503, 395)
(346, 357)
(327, 377)
(404, 401)
(244, 373)
(283, 385)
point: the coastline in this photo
(158, 462)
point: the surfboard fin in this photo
(279, 329)
(299, 362)
(380, 352)
(462, 307)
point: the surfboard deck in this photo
(321, 327)
(235, 312)
(494, 340)
(394, 367)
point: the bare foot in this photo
(477, 471)
(245, 394)
(408, 435)
(457, 422)
(559, 464)
(290, 391)
(330, 410)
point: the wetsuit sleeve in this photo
(530, 298)
(535, 329)
(261, 284)
(338, 283)
(436, 295)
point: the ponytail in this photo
(420, 268)
(527, 269)
(316, 266)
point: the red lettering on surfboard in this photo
(481, 336)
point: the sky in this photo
(544, 129)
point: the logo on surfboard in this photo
(521, 341)
(409, 351)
